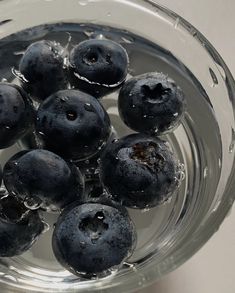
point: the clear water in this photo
(191, 141)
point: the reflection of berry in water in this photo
(139, 171)
(19, 227)
(42, 179)
(151, 103)
(104, 238)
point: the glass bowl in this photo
(156, 39)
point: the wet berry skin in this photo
(42, 66)
(19, 227)
(16, 114)
(98, 66)
(43, 179)
(73, 124)
(92, 238)
(151, 103)
(139, 171)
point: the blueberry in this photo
(139, 171)
(91, 239)
(19, 227)
(42, 66)
(43, 179)
(98, 66)
(151, 103)
(73, 124)
(16, 114)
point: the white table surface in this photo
(212, 269)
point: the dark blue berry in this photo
(42, 66)
(151, 103)
(19, 227)
(73, 124)
(90, 239)
(16, 114)
(98, 66)
(139, 171)
(42, 179)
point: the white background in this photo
(212, 269)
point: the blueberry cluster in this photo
(79, 168)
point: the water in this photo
(191, 141)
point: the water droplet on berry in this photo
(64, 99)
(88, 107)
(41, 133)
(176, 114)
(83, 244)
(3, 192)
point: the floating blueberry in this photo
(16, 114)
(19, 227)
(139, 171)
(73, 124)
(91, 239)
(43, 179)
(98, 66)
(42, 66)
(151, 103)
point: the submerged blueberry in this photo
(98, 66)
(42, 179)
(19, 227)
(73, 124)
(139, 171)
(151, 103)
(92, 238)
(42, 66)
(16, 114)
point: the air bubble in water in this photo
(18, 75)
(32, 204)
(232, 144)
(176, 23)
(205, 172)
(88, 33)
(127, 40)
(214, 78)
